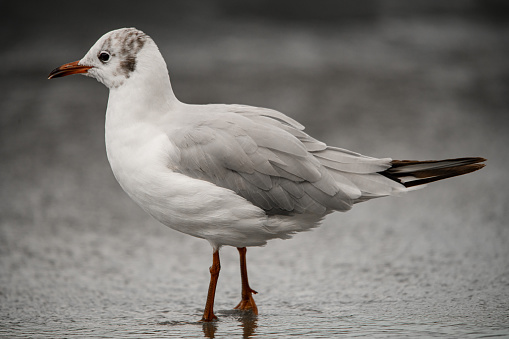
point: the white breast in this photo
(141, 157)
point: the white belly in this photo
(192, 206)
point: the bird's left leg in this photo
(208, 313)
(247, 302)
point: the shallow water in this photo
(79, 259)
(353, 280)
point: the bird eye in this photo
(104, 56)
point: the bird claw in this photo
(247, 304)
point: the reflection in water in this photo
(209, 329)
(248, 322)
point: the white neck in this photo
(147, 93)
(136, 112)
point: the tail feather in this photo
(412, 173)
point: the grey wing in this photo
(265, 157)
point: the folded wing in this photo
(265, 157)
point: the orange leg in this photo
(247, 302)
(208, 314)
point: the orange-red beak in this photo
(68, 69)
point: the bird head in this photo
(112, 59)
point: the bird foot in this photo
(208, 318)
(247, 304)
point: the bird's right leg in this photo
(247, 302)
(208, 314)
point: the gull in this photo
(233, 175)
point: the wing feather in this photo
(265, 157)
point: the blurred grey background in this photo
(403, 79)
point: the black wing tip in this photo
(463, 161)
(433, 173)
(453, 172)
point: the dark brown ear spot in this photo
(128, 65)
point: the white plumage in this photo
(230, 174)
